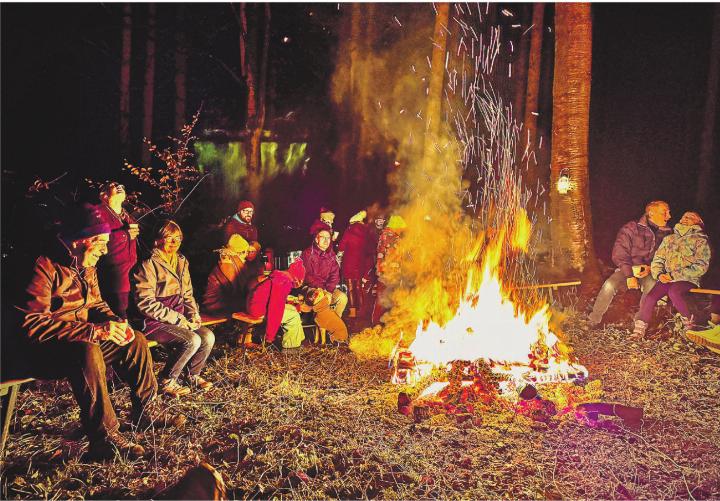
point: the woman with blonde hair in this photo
(164, 298)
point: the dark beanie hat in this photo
(245, 204)
(319, 226)
(297, 270)
(83, 221)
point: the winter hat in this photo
(297, 270)
(256, 246)
(245, 204)
(319, 226)
(237, 244)
(359, 217)
(83, 221)
(396, 223)
(327, 214)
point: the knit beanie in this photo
(319, 226)
(83, 221)
(245, 204)
(297, 270)
(237, 244)
(396, 223)
(359, 217)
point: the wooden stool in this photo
(246, 326)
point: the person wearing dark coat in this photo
(634, 248)
(224, 293)
(68, 331)
(321, 264)
(358, 247)
(114, 268)
(241, 223)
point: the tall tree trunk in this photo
(180, 69)
(707, 141)
(572, 219)
(433, 116)
(149, 85)
(520, 68)
(533, 90)
(125, 79)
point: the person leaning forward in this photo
(635, 246)
(68, 331)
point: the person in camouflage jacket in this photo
(679, 264)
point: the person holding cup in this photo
(114, 268)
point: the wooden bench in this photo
(8, 393)
(247, 324)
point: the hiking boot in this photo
(710, 338)
(640, 328)
(155, 416)
(172, 388)
(115, 445)
(199, 383)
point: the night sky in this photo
(60, 72)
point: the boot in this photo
(155, 415)
(114, 445)
(640, 328)
(710, 338)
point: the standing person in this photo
(241, 222)
(114, 268)
(68, 331)
(679, 263)
(358, 249)
(268, 299)
(327, 216)
(634, 248)
(164, 297)
(224, 293)
(322, 268)
(389, 239)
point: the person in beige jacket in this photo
(164, 298)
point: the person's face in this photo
(90, 250)
(380, 223)
(171, 244)
(115, 193)
(322, 240)
(689, 219)
(247, 214)
(252, 254)
(659, 215)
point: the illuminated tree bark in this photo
(533, 90)
(572, 220)
(437, 77)
(520, 67)
(149, 83)
(125, 79)
(180, 70)
(707, 141)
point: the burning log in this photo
(631, 416)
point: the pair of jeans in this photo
(191, 348)
(338, 302)
(617, 282)
(674, 290)
(329, 319)
(84, 364)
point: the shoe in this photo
(640, 328)
(199, 383)
(154, 415)
(172, 388)
(115, 445)
(710, 338)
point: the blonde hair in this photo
(168, 229)
(654, 204)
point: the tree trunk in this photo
(125, 79)
(149, 85)
(433, 116)
(572, 220)
(520, 68)
(533, 83)
(180, 70)
(707, 141)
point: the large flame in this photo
(515, 338)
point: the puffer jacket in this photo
(321, 268)
(268, 298)
(164, 295)
(685, 257)
(225, 292)
(61, 301)
(636, 243)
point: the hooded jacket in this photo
(268, 298)
(321, 268)
(685, 256)
(164, 295)
(225, 291)
(61, 300)
(358, 246)
(636, 243)
(246, 230)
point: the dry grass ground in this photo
(318, 423)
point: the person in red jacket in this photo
(323, 270)
(268, 298)
(114, 268)
(241, 222)
(358, 248)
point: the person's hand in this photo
(644, 271)
(665, 277)
(133, 231)
(115, 332)
(632, 283)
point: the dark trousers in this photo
(118, 302)
(676, 291)
(84, 365)
(355, 293)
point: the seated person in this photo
(241, 222)
(225, 293)
(164, 299)
(679, 263)
(66, 330)
(322, 268)
(268, 298)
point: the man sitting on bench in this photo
(66, 330)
